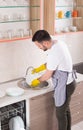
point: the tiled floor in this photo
(78, 126)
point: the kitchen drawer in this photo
(39, 112)
(42, 113)
(79, 89)
(46, 121)
(44, 124)
(42, 101)
(79, 86)
(49, 115)
(41, 104)
(76, 108)
(44, 105)
(76, 100)
(77, 117)
(76, 93)
(76, 104)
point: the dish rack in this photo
(7, 112)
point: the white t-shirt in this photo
(59, 58)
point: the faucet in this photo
(30, 67)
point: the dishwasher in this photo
(13, 110)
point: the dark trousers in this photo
(63, 112)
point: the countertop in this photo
(29, 93)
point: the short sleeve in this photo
(52, 62)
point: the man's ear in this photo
(45, 43)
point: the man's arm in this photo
(48, 74)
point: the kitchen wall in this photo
(15, 57)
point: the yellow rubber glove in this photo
(40, 68)
(35, 83)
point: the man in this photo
(59, 67)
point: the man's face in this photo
(43, 45)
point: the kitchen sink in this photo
(22, 84)
(78, 67)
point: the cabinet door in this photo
(76, 104)
(42, 113)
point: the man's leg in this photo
(68, 119)
(63, 112)
(62, 116)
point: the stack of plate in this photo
(14, 91)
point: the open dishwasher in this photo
(11, 111)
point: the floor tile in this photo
(75, 127)
(80, 125)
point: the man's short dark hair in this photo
(40, 36)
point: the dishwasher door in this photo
(13, 110)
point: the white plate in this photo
(15, 91)
(30, 77)
(16, 123)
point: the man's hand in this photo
(35, 83)
(40, 68)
